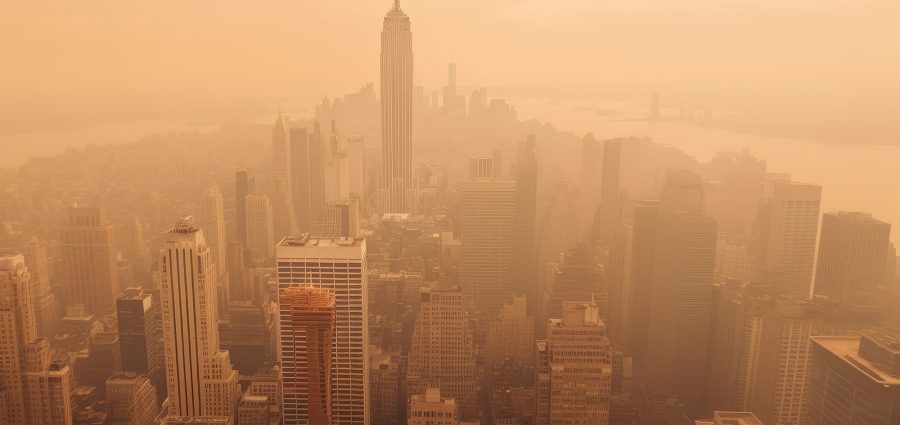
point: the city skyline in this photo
(419, 251)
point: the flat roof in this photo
(307, 246)
(847, 349)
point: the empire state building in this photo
(398, 190)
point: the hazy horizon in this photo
(827, 68)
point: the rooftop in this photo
(735, 418)
(307, 240)
(847, 349)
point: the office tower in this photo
(140, 337)
(442, 354)
(259, 228)
(680, 296)
(244, 184)
(43, 299)
(89, 260)
(511, 335)
(524, 244)
(308, 178)
(49, 385)
(734, 258)
(240, 272)
(786, 240)
(453, 101)
(102, 359)
(249, 333)
(129, 237)
(574, 368)
(340, 219)
(608, 220)
(214, 227)
(358, 170)
(578, 278)
(32, 389)
(431, 408)
(337, 173)
(654, 107)
(487, 213)
(17, 322)
(283, 219)
(853, 249)
(338, 265)
(854, 380)
(481, 168)
(682, 191)
(386, 390)
(591, 179)
(199, 377)
(131, 399)
(734, 194)
(398, 185)
(780, 385)
(307, 334)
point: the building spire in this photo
(396, 4)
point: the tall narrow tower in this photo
(398, 186)
(199, 377)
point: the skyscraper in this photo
(854, 380)
(680, 302)
(32, 389)
(524, 246)
(337, 265)
(307, 180)
(89, 260)
(199, 376)
(214, 227)
(307, 334)
(442, 354)
(244, 184)
(786, 242)
(643, 247)
(609, 214)
(259, 228)
(853, 249)
(574, 368)
(398, 184)
(131, 399)
(283, 219)
(140, 337)
(487, 213)
(43, 299)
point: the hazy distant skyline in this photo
(829, 60)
